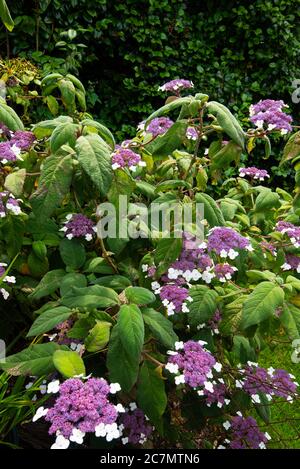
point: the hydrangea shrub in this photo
(133, 332)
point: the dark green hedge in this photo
(236, 51)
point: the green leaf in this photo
(67, 90)
(52, 104)
(45, 128)
(5, 16)
(70, 280)
(72, 253)
(98, 336)
(228, 122)
(167, 108)
(255, 275)
(47, 320)
(14, 228)
(160, 327)
(151, 394)
(90, 297)
(122, 184)
(9, 117)
(54, 184)
(37, 266)
(203, 306)
(229, 208)
(81, 328)
(94, 156)
(116, 282)
(48, 285)
(103, 131)
(167, 251)
(65, 133)
(266, 200)
(227, 154)
(172, 184)
(131, 328)
(212, 213)
(35, 360)
(98, 265)
(261, 304)
(123, 367)
(14, 182)
(139, 295)
(292, 148)
(290, 319)
(68, 363)
(40, 249)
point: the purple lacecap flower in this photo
(159, 126)
(136, 427)
(291, 263)
(8, 203)
(271, 382)
(126, 158)
(269, 112)
(225, 241)
(7, 153)
(218, 395)
(23, 139)
(254, 173)
(194, 362)
(176, 85)
(192, 133)
(173, 295)
(77, 226)
(81, 405)
(292, 231)
(224, 272)
(246, 434)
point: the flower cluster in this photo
(224, 271)
(254, 173)
(8, 203)
(77, 226)
(192, 133)
(218, 396)
(80, 408)
(126, 158)
(23, 139)
(291, 263)
(134, 425)
(174, 298)
(10, 150)
(270, 382)
(176, 85)
(245, 433)
(225, 242)
(269, 112)
(7, 278)
(192, 364)
(159, 126)
(292, 231)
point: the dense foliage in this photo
(237, 51)
(146, 334)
